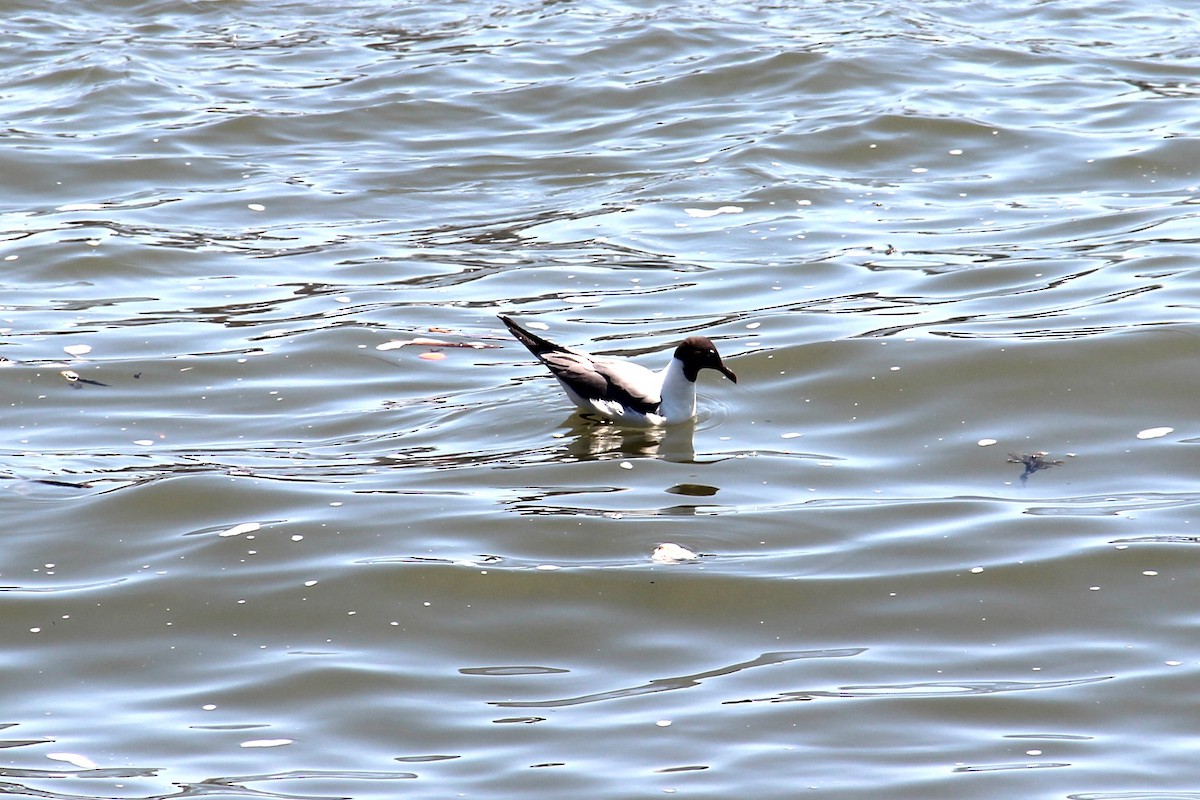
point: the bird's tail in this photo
(536, 344)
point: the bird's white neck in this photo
(678, 403)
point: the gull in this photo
(621, 391)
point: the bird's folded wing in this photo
(629, 384)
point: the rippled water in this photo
(288, 514)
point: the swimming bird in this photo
(625, 392)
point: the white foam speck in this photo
(1154, 433)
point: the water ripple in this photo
(926, 689)
(915, 228)
(682, 681)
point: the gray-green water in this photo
(251, 553)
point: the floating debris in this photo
(671, 553)
(396, 344)
(1033, 462)
(76, 381)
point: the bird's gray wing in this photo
(629, 384)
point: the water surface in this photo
(259, 541)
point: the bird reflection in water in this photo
(589, 440)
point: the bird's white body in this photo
(622, 391)
(675, 393)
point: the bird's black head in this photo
(697, 353)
